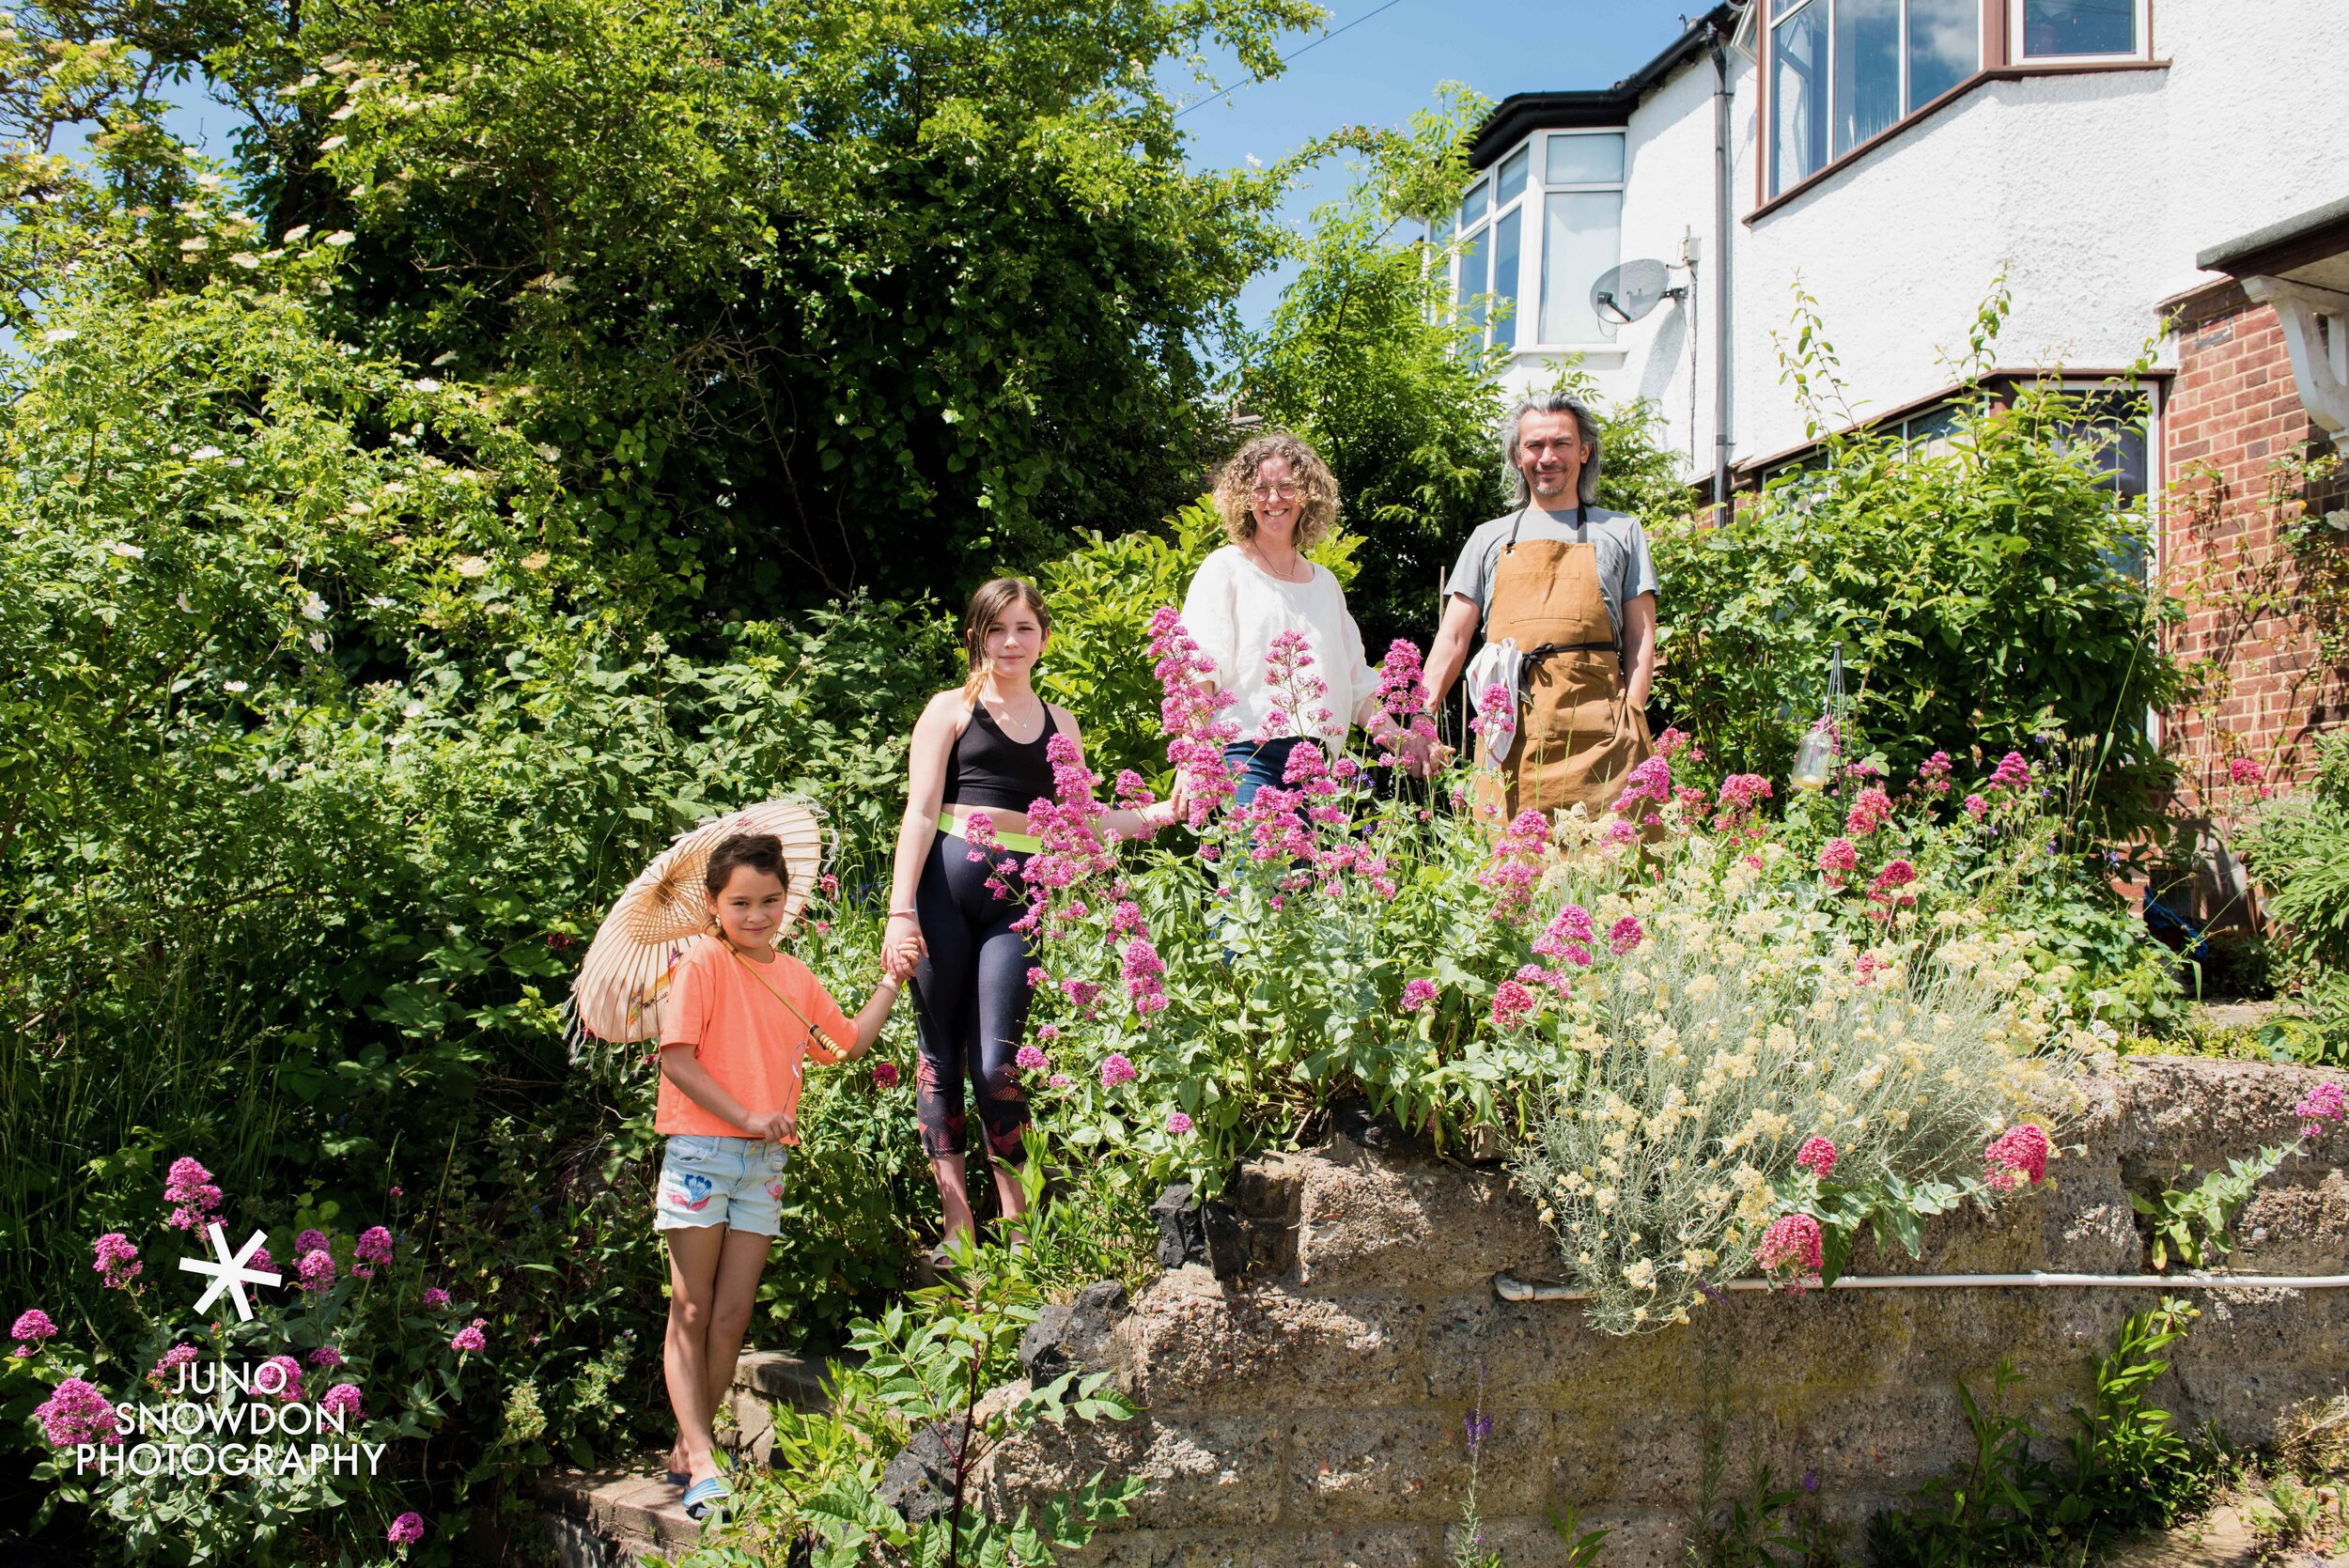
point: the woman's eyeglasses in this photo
(1265, 492)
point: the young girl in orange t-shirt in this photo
(739, 1022)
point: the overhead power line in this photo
(1307, 50)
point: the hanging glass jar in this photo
(1814, 761)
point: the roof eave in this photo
(1515, 116)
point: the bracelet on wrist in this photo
(903, 914)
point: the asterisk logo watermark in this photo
(229, 1273)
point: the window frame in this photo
(2141, 24)
(1774, 183)
(1532, 204)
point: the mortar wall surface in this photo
(1315, 1417)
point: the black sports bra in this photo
(986, 767)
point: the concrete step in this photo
(610, 1518)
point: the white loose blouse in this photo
(1234, 610)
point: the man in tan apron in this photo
(1574, 588)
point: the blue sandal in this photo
(702, 1496)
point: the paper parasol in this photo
(622, 985)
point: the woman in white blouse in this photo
(1278, 500)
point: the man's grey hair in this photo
(1556, 402)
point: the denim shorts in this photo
(736, 1182)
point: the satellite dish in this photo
(1623, 294)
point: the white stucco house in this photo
(1893, 158)
(2172, 173)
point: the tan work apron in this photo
(1577, 733)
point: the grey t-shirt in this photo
(1625, 570)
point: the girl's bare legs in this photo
(713, 1284)
(954, 1195)
(693, 1255)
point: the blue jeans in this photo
(1257, 763)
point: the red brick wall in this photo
(2236, 470)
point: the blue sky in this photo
(1380, 71)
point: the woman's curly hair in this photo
(1318, 501)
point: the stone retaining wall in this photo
(1307, 1410)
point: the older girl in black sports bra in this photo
(979, 749)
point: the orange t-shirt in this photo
(749, 1041)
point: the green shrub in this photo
(1983, 591)
(2297, 849)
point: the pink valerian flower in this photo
(1620, 832)
(1179, 1124)
(829, 885)
(1059, 1081)
(344, 1399)
(1418, 994)
(1793, 1245)
(1816, 1155)
(316, 1272)
(261, 1259)
(188, 1185)
(310, 1241)
(288, 1384)
(1976, 807)
(159, 1374)
(1674, 739)
(1142, 969)
(1933, 774)
(1624, 935)
(978, 832)
(2319, 1105)
(1031, 1060)
(1691, 797)
(1570, 936)
(1131, 791)
(1047, 1032)
(1651, 780)
(1082, 994)
(76, 1413)
(1195, 736)
(1126, 919)
(372, 1251)
(1872, 811)
(1293, 705)
(1402, 699)
(885, 1074)
(1116, 1069)
(1865, 971)
(324, 1357)
(2017, 1155)
(406, 1530)
(2013, 775)
(470, 1338)
(31, 1328)
(1038, 975)
(1895, 876)
(1496, 716)
(436, 1299)
(1740, 799)
(1515, 865)
(1838, 857)
(1511, 1002)
(118, 1260)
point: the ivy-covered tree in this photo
(801, 297)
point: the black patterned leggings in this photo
(972, 1002)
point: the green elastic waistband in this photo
(1025, 842)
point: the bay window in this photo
(1536, 232)
(2079, 29)
(1843, 72)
